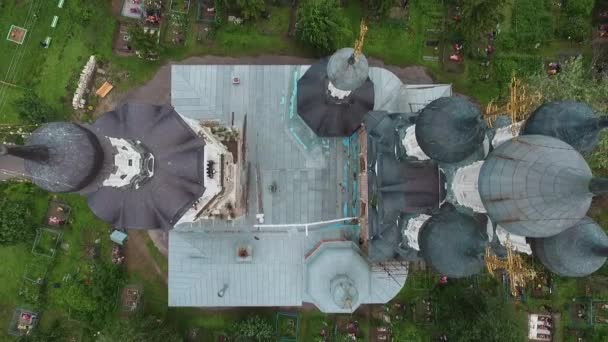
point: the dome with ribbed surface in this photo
(576, 252)
(572, 122)
(74, 157)
(326, 115)
(346, 71)
(535, 186)
(450, 129)
(453, 243)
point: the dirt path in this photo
(138, 256)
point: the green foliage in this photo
(479, 17)
(139, 329)
(532, 23)
(33, 110)
(466, 314)
(251, 9)
(253, 327)
(381, 8)
(322, 25)
(576, 82)
(56, 333)
(17, 223)
(94, 295)
(505, 66)
(576, 19)
(144, 43)
(598, 160)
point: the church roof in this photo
(576, 252)
(450, 129)
(325, 115)
(345, 71)
(535, 186)
(572, 122)
(74, 157)
(178, 168)
(453, 243)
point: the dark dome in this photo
(75, 157)
(450, 129)
(178, 168)
(325, 115)
(575, 252)
(453, 243)
(535, 186)
(345, 72)
(572, 122)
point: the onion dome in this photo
(536, 186)
(576, 252)
(453, 243)
(176, 174)
(347, 71)
(327, 112)
(450, 129)
(60, 156)
(572, 122)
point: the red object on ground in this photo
(443, 280)
(456, 58)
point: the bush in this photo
(16, 223)
(33, 110)
(576, 19)
(505, 66)
(253, 327)
(322, 25)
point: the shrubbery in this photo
(322, 25)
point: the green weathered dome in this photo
(453, 243)
(572, 122)
(535, 186)
(576, 252)
(450, 129)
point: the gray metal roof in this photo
(450, 129)
(453, 243)
(575, 252)
(314, 181)
(572, 122)
(74, 157)
(346, 71)
(178, 168)
(535, 186)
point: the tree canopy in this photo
(16, 221)
(479, 17)
(251, 9)
(472, 316)
(144, 43)
(33, 110)
(322, 25)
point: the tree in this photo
(254, 327)
(139, 329)
(479, 17)
(322, 25)
(475, 317)
(144, 43)
(575, 20)
(381, 8)
(33, 110)
(15, 225)
(251, 9)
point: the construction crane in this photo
(518, 107)
(360, 39)
(519, 272)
